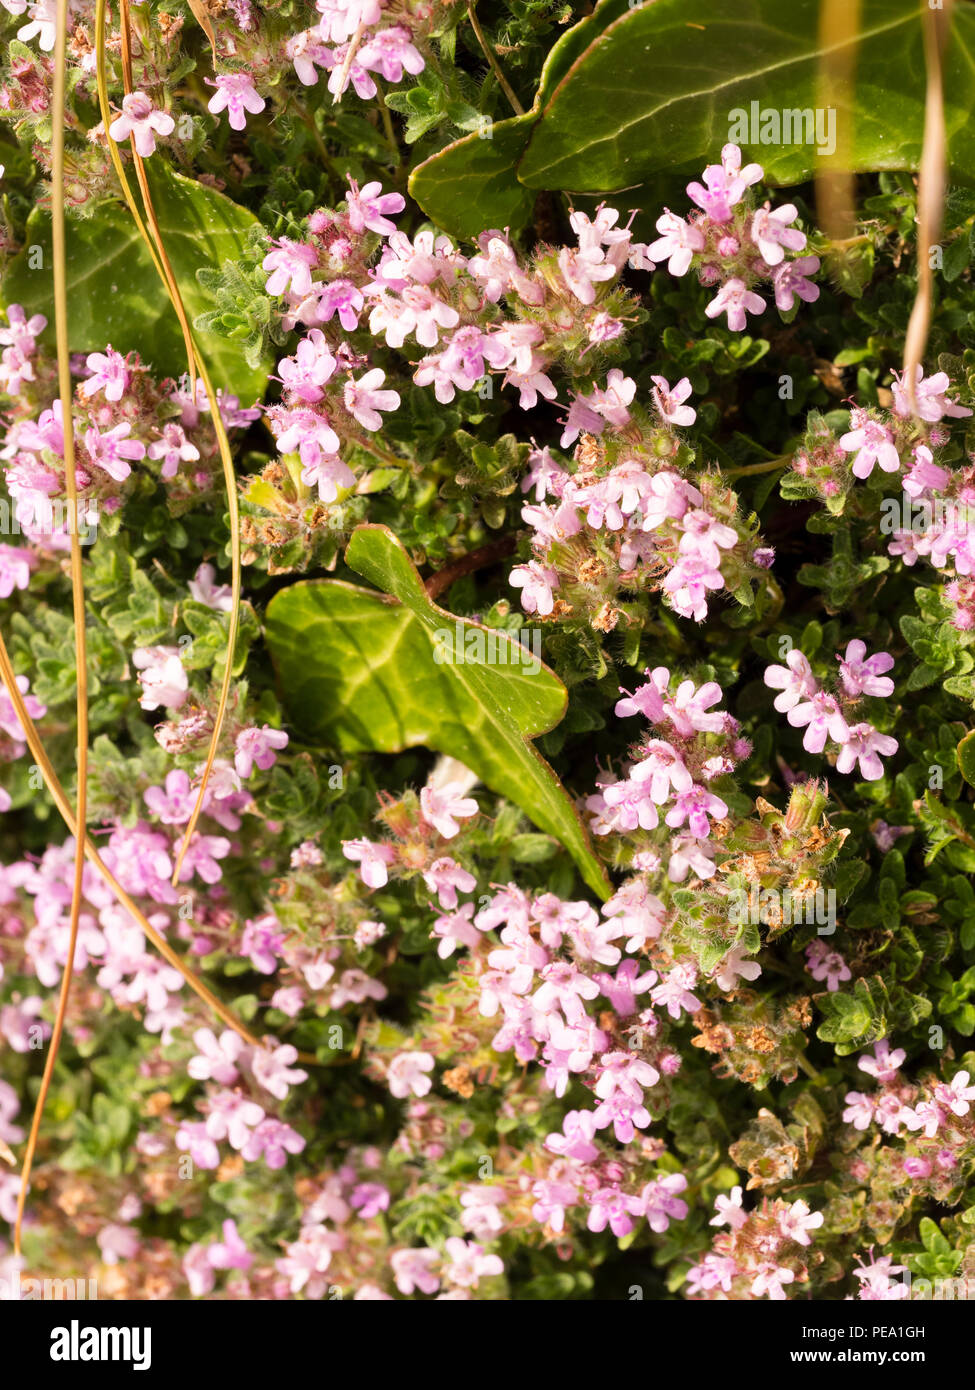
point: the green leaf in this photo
(966, 757)
(362, 671)
(470, 185)
(656, 90)
(114, 293)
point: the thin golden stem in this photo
(172, 288)
(492, 58)
(77, 592)
(931, 192)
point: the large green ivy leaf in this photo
(359, 669)
(658, 86)
(632, 93)
(114, 293)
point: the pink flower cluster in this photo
(658, 528)
(761, 1252)
(808, 706)
(121, 417)
(561, 305)
(691, 745)
(932, 1110)
(734, 245)
(354, 41)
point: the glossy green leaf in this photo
(630, 94)
(656, 90)
(389, 670)
(470, 185)
(114, 293)
(966, 757)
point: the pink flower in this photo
(552, 1199)
(290, 263)
(705, 537)
(373, 860)
(117, 1243)
(862, 744)
(110, 451)
(663, 767)
(370, 1199)
(795, 680)
(677, 245)
(413, 1269)
(736, 966)
(192, 1138)
(258, 746)
(142, 121)
(821, 717)
(204, 590)
(340, 297)
(443, 806)
(670, 402)
(390, 52)
(236, 95)
(884, 1063)
(231, 1252)
(261, 941)
(272, 1140)
(455, 929)
(876, 1284)
(407, 1074)
(695, 806)
(956, 1095)
(873, 442)
(305, 431)
(660, 1203)
(791, 278)
(216, 1060)
(675, 991)
(725, 184)
(308, 1257)
(469, 1263)
(198, 1270)
(859, 1110)
(341, 18)
(173, 448)
(307, 372)
(772, 234)
(16, 564)
(925, 475)
(364, 400)
(610, 1206)
(729, 1210)
(932, 401)
(162, 677)
(612, 401)
(109, 373)
(582, 273)
(444, 877)
(538, 583)
(308, 53)
(770, 1279)
(330, 475)
(271, 1065)
(735, 299)
(796, 1223)
(367, 208)
(824, 964)
(865, 677)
